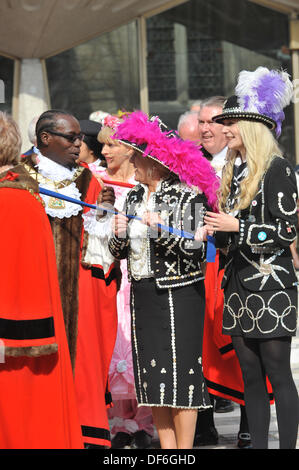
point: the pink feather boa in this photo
(182, 157)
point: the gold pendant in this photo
(55, 203)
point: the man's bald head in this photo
(188, 127)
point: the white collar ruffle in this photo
(56, 173)
(52, 170)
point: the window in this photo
(6, 84)
(101, 74)
(197, 50)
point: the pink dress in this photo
(125, 416)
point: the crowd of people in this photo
(148, 276)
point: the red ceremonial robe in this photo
(97, 328)
(89, 306)
(38, 408)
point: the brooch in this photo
(262, 236)
(56, 203)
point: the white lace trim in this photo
(102, 228)
(56, 173)
(138, 234)
(99, 231)
(128, 424)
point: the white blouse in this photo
(139, 235)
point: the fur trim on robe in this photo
(67, 234)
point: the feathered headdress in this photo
(152, 139)
(260, 96)
(111, 121)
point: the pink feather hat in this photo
(153, 139)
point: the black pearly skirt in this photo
(167, 332)
(263, 314)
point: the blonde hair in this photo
(261, 147)
(10, 140)
(104, 136)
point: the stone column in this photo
(31, 95)
(181, 63)
(2, 92)
(142, 52)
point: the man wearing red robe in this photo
(88, 292)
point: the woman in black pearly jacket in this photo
(167, 294)
(257, 224)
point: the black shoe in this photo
(206, 438)
(141, 440)
(244, 440)
(223, 406)
(121, 440)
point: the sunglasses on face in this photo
(69, 137)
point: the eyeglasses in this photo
(70, 138)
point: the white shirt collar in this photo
(220, 155)
(219, 160)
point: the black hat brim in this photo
(245, 116)
(141, 149)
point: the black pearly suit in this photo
(260, 283)
(167, 304)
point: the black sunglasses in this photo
(70, 138)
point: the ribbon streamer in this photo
(175, 231)
(117, 183)
(211, 249)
